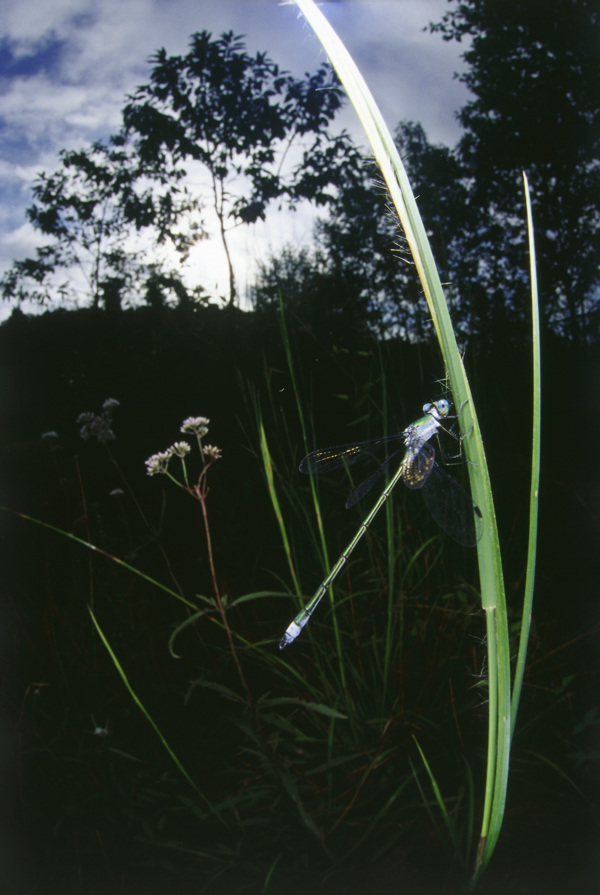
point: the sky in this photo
(66, 67)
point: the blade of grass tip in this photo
(490, 565)
(535, 466)
(271, 871)
(425, 800)
(388, 159)
(448, 822)
(142, 708)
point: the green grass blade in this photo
(271, 871)
(99, 550)
(140, 705)
(269, 473)
(448, 822)
(535, 467)
(496, 804)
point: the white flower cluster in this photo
(158, 463)
(195, 425)
(180, 449)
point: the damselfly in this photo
(448, 503)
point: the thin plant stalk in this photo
(200, 490)
(159, 463)
(448, 820)
(496, 808)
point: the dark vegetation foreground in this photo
(92, 802)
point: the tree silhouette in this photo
(534, 72)
(102, 213)
(361, 268)
(109, 208)
(237, 116)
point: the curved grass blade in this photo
(141, 706)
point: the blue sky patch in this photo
(42, 59)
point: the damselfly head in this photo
(437, 409)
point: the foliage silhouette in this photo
(111, 208)
(534, 71)
(526, 66)
(238, 116)
(102, 213)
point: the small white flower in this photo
(212, 452)
(49, 436)
(116, 492)
(158, 463)
(195, 425)
(180, 449)
(110, 403)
